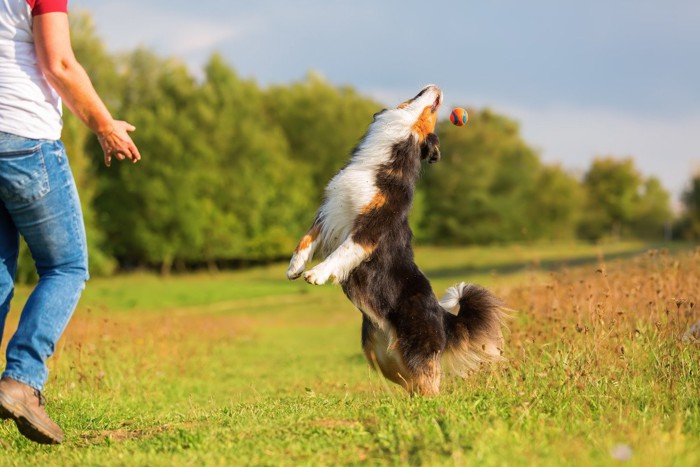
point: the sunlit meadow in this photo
(248, 368)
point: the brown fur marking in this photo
(378, 201)
(368, 248)
(425, 123)
(308, 238)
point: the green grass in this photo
(248, 368)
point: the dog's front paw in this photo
(317, 276)
(431, 149)
(296, 267)
(293, 273)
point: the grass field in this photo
(248, 368)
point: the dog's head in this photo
(422, 110)
(416, 117)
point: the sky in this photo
(583, 78)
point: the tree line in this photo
(233, 172)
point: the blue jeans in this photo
(39, 200)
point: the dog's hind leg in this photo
(421, 340)
(427, 381)
(304, 252)
(380, 350)
(414, 367)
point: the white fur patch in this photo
(450, 301)
(346, 195)
(299, 261)
(338, 264)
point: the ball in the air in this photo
(459, 116)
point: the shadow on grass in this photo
(550, 264)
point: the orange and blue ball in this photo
(459, 116)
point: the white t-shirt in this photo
(29, 106)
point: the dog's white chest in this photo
(346, 196)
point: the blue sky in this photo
(584, 79)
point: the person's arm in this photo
(71, 82)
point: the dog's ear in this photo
(374, 117)
(430, 149)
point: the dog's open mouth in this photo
(436, 104)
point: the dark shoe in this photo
(25, 406)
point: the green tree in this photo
(235, 172)
(217, 181)
(611, 197)
(689, 224)
(556, 205)
(322, 124)
(653, 214)
(484, 188)
(258, 190)
(150, 211)
(621, 203)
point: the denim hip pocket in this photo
(23, 174)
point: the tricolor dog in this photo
(362, 236)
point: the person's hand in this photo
(117, 143)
